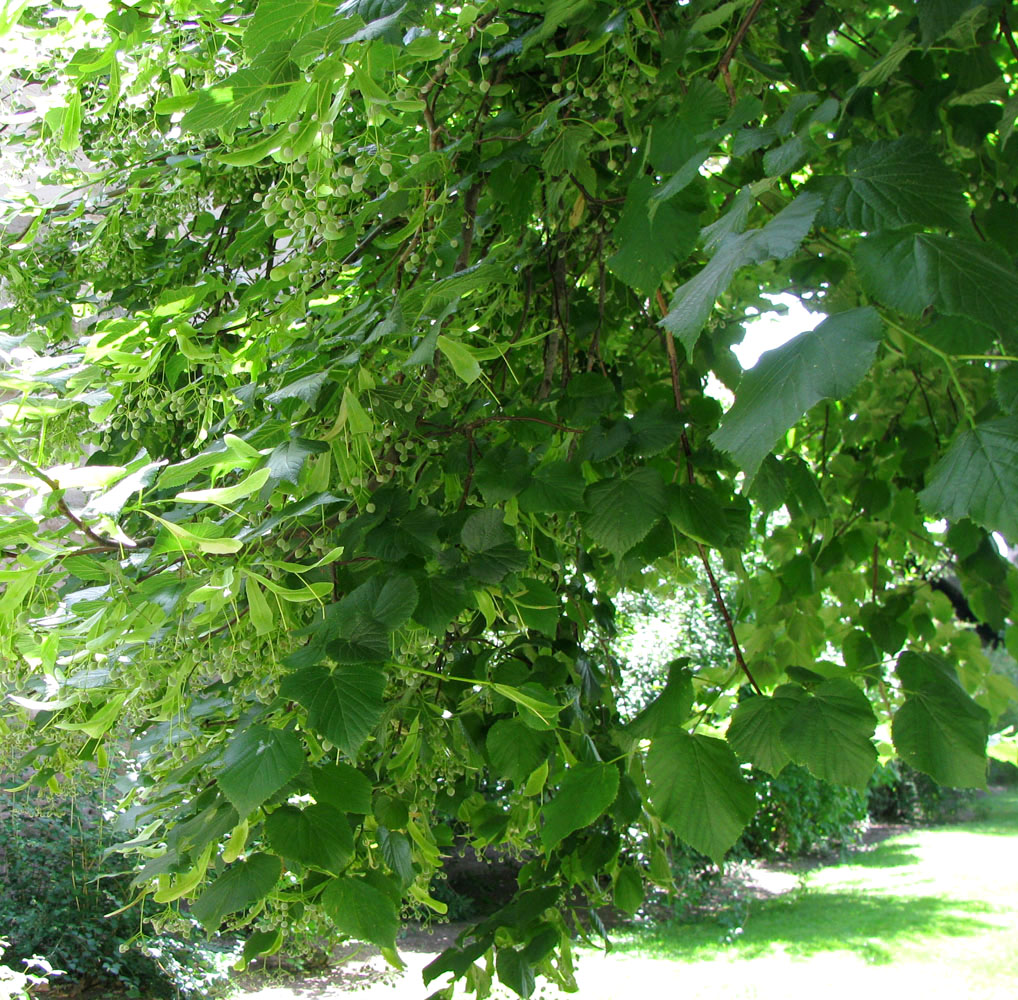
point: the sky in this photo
(772, 329)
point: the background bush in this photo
(53, 903)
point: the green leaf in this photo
(554, 488)
(586, 791)
(397, 854)
(515, 971)
(232, 101)
(827, 363)
(692, 303)
(318, 836)
(277, 19)
(757, 724)
(628, 894)
(227, 494)
(360, 910)
(887, 185)
(342, 786)
(939, 729)
(287, 459)
(258, 762)
(978, 478)
(670, 708)
(258, 607)
(623, 510)
(913, 271)
(463, 362)
(244, 883)
(440, 601)
(539, 606)
(343, 704)
(485, 529)
(698, 790)
(698, 513)
(1005, 388)
(204, 537)
(650, 246)
(830, 732)
(516, 750)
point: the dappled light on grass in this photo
(928, 913)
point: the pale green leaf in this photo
(228, 494)
(692, 303)
(461, 357)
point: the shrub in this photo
(54, 904)
(800, 814)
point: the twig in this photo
(719, 597)
(1005, 30)
(740, 34)
(105, 543)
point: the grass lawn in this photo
(932, 913)
(929, 914)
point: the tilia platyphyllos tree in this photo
(354, 357)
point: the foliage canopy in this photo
(365, 351)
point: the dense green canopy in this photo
(355, 357)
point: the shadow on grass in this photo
(811, 922)
(896, 855)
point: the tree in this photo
(363, 355)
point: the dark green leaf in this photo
(342, 786)
(913, 271)
(757, 724)
(939, 729)
(830, 732)
(514, 971)
(236, 889)
(893, 184)
(343, 704)
(585, 792)
(624, 510)
(826, 363)
(698, 790)
(318, 836)
(516, 750)
(361, 911)
(258, 762)
(978, 477)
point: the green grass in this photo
(931, 913)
